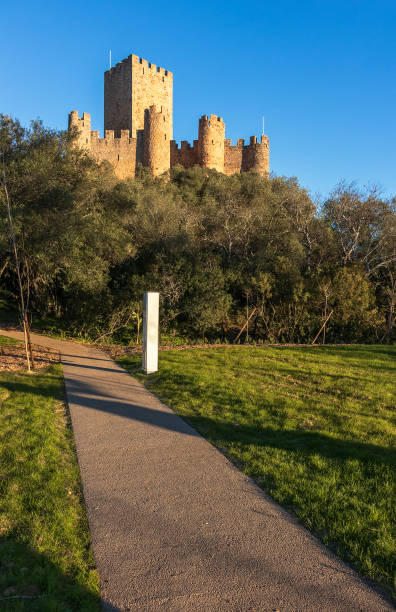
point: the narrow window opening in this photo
(163, 79)
(143, 70)
(212, 141)
(165, 136)
(118, 157)
(87, 140)
(140, 60)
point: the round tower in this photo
(83, 127)
(211, 133)
(73, 119)
(156, 155)
(260, 156)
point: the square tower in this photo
(130, 88)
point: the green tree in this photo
(67, 227)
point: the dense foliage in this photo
(215, 246)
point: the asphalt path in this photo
(174, 525)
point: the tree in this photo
(28, 346)
(67, 228)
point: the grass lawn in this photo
(7, 341)
(46, 561)
(313, 425)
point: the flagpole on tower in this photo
(263, 125)
(110, 58)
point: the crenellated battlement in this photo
(150, 66)
(185, 155)
(184, 145)
(75, 119)
(211, 120)
(137, 61)
(240, 143)
(118, 67)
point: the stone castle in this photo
(138, 128)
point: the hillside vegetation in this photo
(216, 247)
(313, 425)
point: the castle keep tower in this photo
(130, 88)
(138, 123)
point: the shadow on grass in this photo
(48, 390)
(310, 442)
(307, 442)
(30, 581)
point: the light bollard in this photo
(150, 331)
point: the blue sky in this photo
(322, 72)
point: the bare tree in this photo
(28, 345)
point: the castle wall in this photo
(233, 157)
(186, 155)
(120, 152)
(238, 158)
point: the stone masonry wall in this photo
(211, 132)
(130, 88)
(151, 85)
(186, 155)
(242, 158)
(258, 159)
(156, 155)
(83, 127)
(119, 152)
(118, 97)
(159, 153)
(237, 159)
(233, 156)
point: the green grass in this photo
(7, 341)
(45, 549)
(313, 425)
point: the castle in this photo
(138, 128)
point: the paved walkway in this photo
(174, 525)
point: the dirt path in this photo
(174, 525)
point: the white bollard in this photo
(150, 331)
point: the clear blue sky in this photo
(323, 72)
